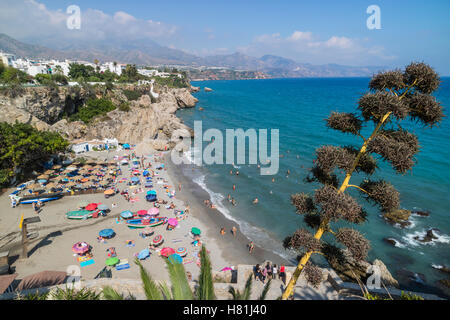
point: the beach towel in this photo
(87, 263)
(177, 240)
(187, 260)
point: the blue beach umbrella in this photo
(144, 254)
(134, 179)
(107, 233)
(126, 214)
(175, 259)
(151, 192)
(42, 181)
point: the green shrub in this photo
(131, 94)
(92, 109)
(124, 106)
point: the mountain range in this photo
(151, 53)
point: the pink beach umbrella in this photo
(80, 248)
(172, 222)
(166, 251)
(153, 212)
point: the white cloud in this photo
(29, 19)
(304, 46)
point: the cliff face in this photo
(145, 121)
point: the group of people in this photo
(269, 271)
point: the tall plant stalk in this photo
(395, 95)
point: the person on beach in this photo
(222, 231)
(264, 275)
(282, 275)
(274, 271)
(233, 231)
(251, 246)
(256, 271)
(179, 187)
(269, 270)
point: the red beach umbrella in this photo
(91, 206)
(167, 251)
(142, 212)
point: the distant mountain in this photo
(151, 53)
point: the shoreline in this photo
(233, 249)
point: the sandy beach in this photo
(52, 249)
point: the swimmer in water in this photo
(237, 173)
(273, 179)
(234, 187)
(255, 201)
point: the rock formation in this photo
(147, 120)
(350, 270)
(399, 216)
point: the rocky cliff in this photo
(148, 119)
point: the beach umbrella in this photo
(56, 167)
(126, 214)
(70, 184)
(153, 212)
(182, 252)
(42, 181)
(166, 251)
(173, 222)
(51, 185)
(49, 172)
(135, 179)
(144, 254)
(109, 192)
(102, 207)
(80, 247)
(153, 192)
(43, 176)
(157, 240)
(142, 212)
(82, 204)
(196, 231)
(175, 259)
(112, 261)
(107, 233)
(84, 180)
(91, 206)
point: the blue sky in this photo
(317, 32)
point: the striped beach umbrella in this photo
(182, 252)
(157, 240)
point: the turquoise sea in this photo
(298, 107)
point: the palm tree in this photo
(179, 290)
(245, 295)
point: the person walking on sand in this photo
(274, 271)
(222, 231)
(179, 187)
(233, 231)
(251, 246)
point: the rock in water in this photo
(421, 213)
(350, 270)
(391, 241)
(399, 216)
(429, 236)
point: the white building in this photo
(86, 146)
(35, 69)
(7, 59)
